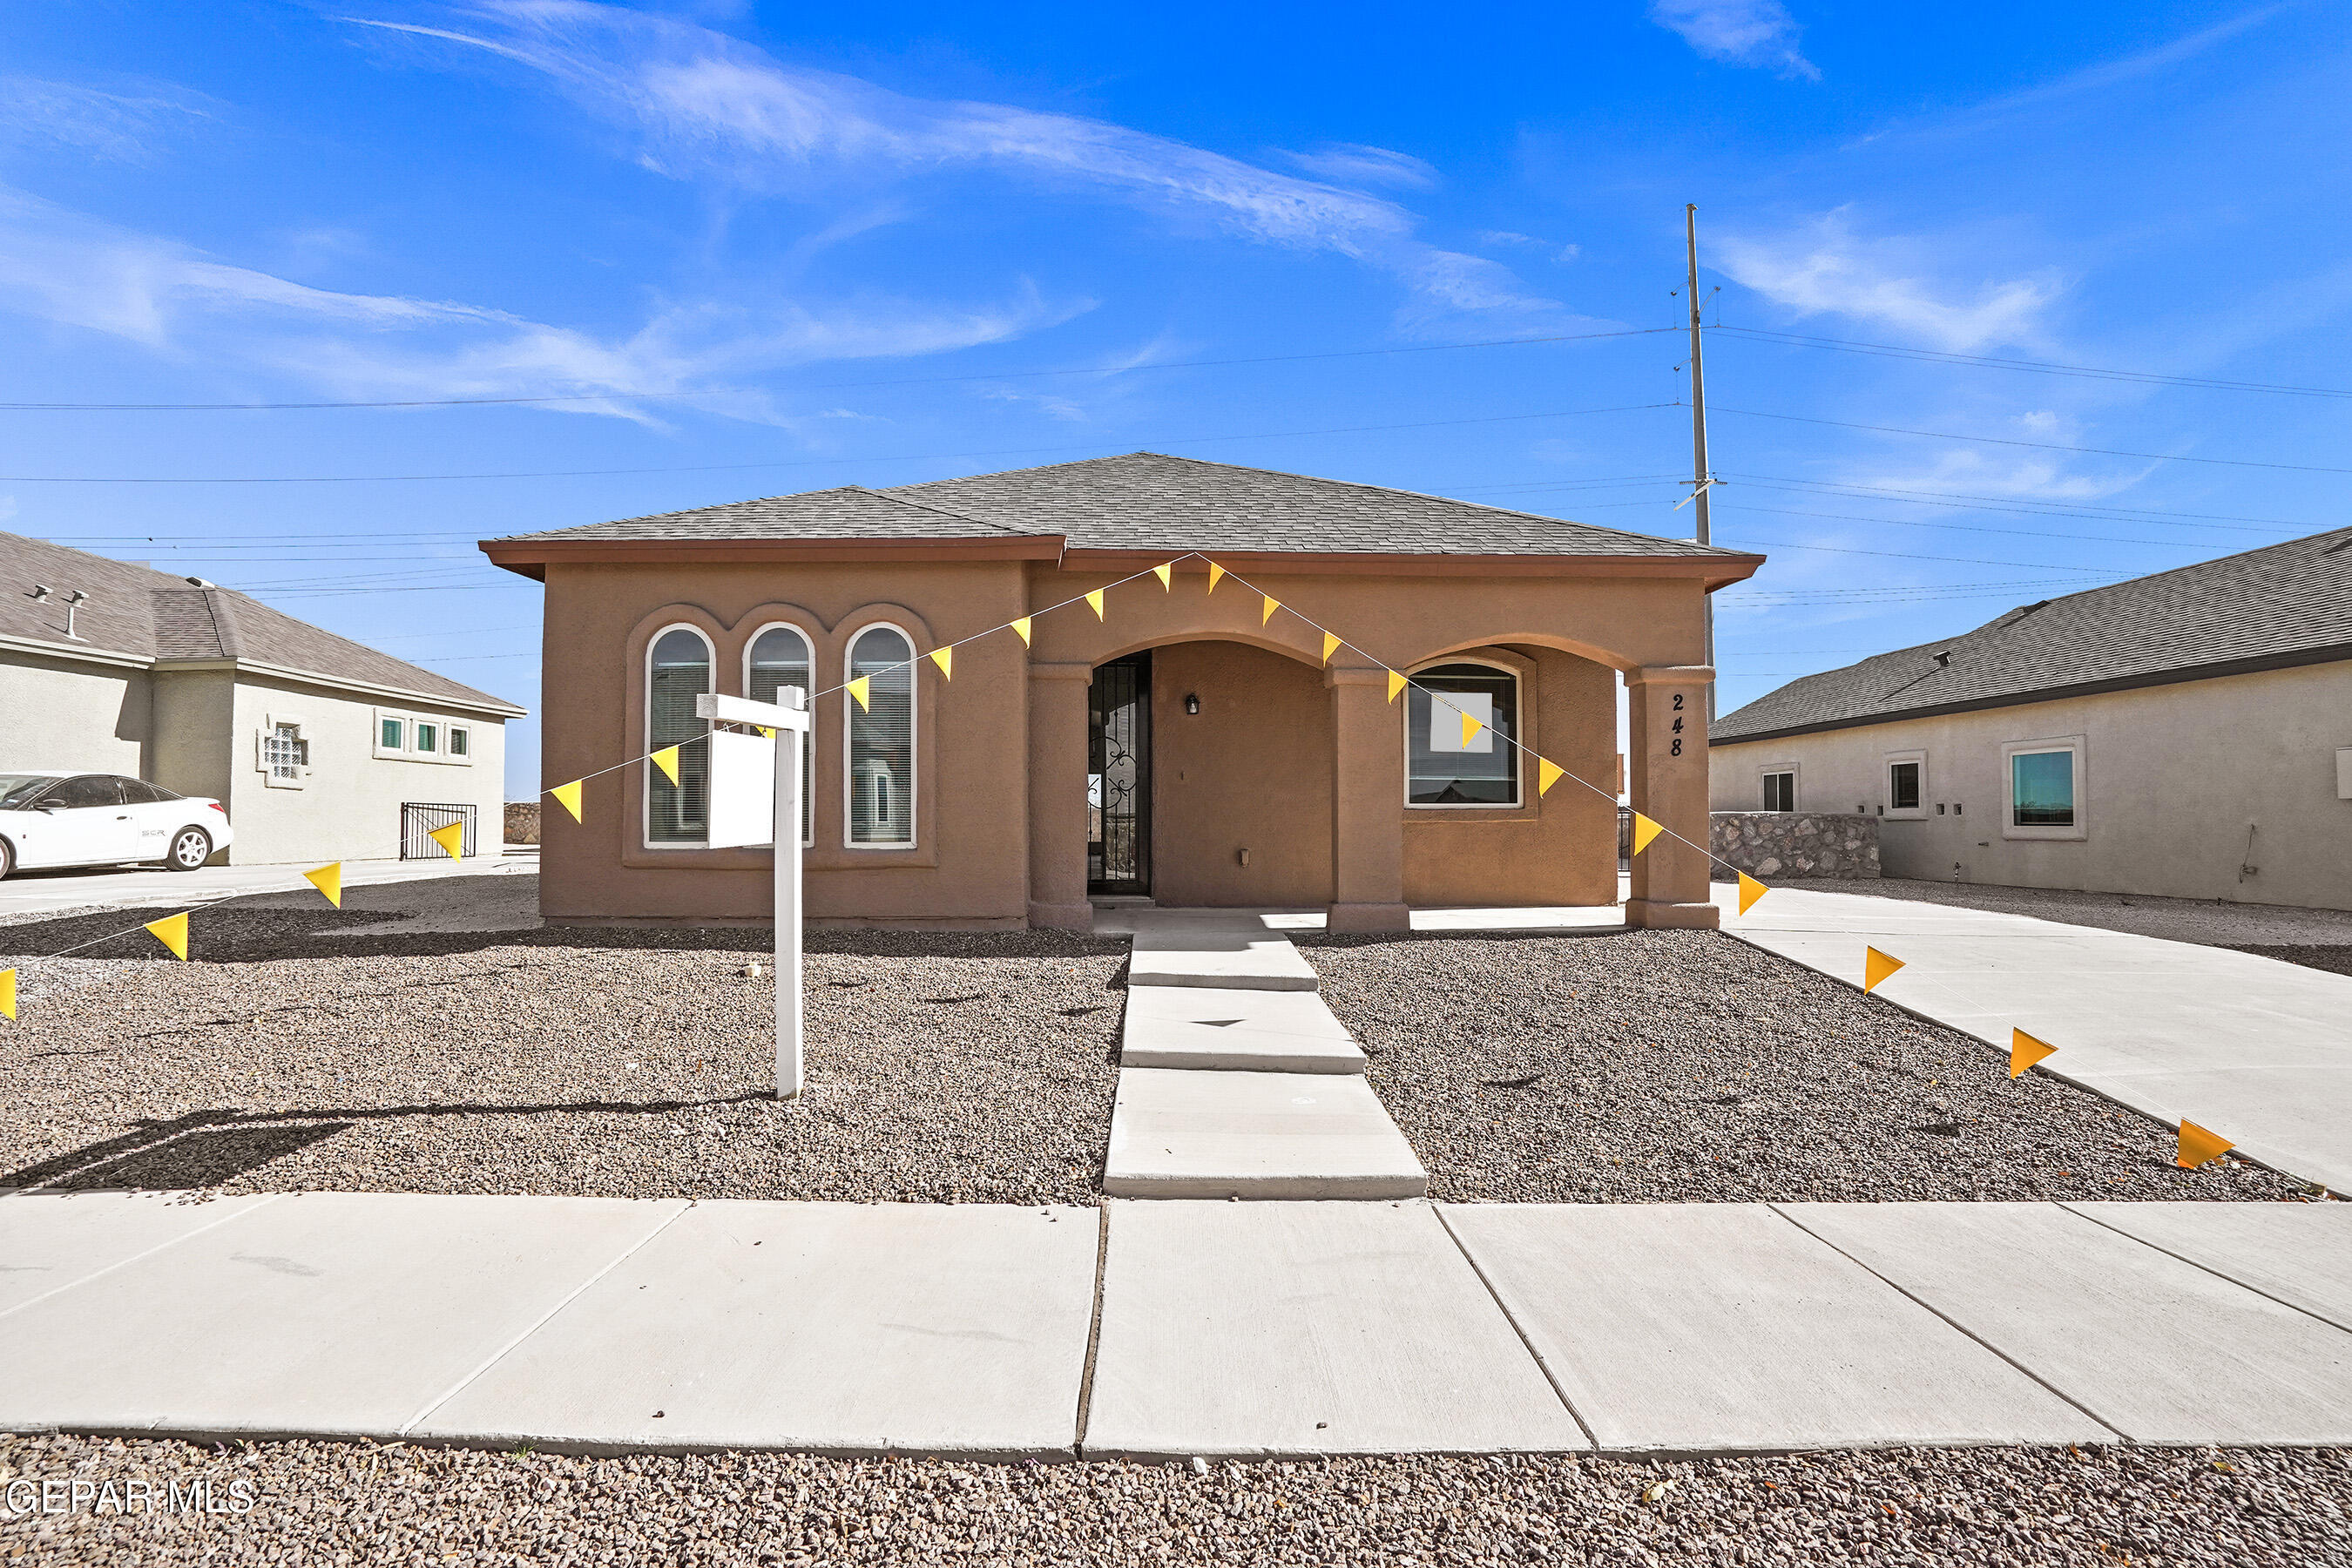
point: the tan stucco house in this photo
(319, 749)
(1183, 748)
(2185, 735)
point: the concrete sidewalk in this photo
(1267, 1328)
(45, 892)
(2258, 1050)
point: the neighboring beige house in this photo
(319, 748)
(1188, 747)
(2187, 735)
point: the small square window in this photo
(428, 736)
(1780, 792)
(1903, 786)
(2041, 789)
(283, 751)
(460, 742)
(392, 735)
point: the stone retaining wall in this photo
(523, 821)
(1796, 843)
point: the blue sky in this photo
(951, 241)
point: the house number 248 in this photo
(1677, 749)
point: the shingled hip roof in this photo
(1143, 501)
(138, 615)
(2281, 606)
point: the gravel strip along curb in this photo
(951, 1068)
(2267, 1508)
(1682, 1067)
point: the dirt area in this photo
(2025, 1508)
(289, 1054)
(2319, 938)
(1652, 1067)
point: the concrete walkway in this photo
(1268, 1329)
(2258, 1050)
(1235, 1080)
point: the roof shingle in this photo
(2284, 604)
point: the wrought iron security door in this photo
(1118, 777)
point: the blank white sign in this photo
(742, 791)
(1445, 723)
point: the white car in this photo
(50, 817)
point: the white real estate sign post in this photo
(755, 785)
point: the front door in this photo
(1118, 777)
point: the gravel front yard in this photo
(354, 1502)
(1686, 1067)
(943, 1067)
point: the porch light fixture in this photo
(1192, 703)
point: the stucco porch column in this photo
(1057, 795)
(1367, 803)
(1666, 743)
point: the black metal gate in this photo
(1118, 777)
(420, 820)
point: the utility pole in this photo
(1701, 480)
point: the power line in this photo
(2038, 445)
(811, 462)
(2032, 505)
(2039, 367)
(1901, 556)
(821, 387)
(1974, 528)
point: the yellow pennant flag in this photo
(1330, 646)
(2025, 1050)
(861, 688)
(1216, 575)
(1095, 603)
(1396, 683)
(1167, 576)
(1876, 967)
(1750, 889)
(2199, 1145)
(1644, 831)
(1470, 728)
(1547, 774)
(1021, 626)
(945, 658)
(171, 930)
(667, 761)
(329, 881)
(568, 797)
(1272, 605)
(451, 839)
(8, 995)
(765, 733)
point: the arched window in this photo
(1440, 768)
(880, 756)
(780, 657)
(677, 670)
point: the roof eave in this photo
(2331, 654)
(1713, 571)
(481, 702)
(531, 557)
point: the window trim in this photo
(1796, 785)
(406, 752)
(808, 641)
(1518, 801)
(2072, 745)
(849, 710)
(645, 736)
(1887, 807)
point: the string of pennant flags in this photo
(171, 930)
(2196, 1145)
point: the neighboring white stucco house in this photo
(318, 746)
(2185, 735)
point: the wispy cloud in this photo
(1351, 163)
(1737, 32)
(120, 126)
(1825, 269)
(174, 300)
(701, 105)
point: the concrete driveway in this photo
(50, 892)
